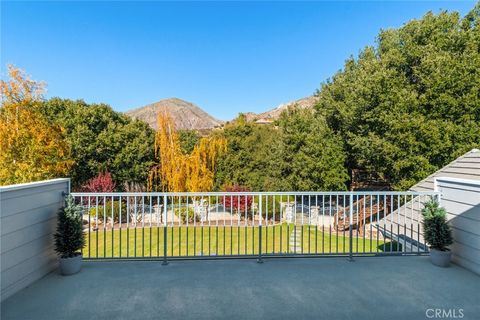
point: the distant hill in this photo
(304, 103)
(185, 114)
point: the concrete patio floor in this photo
(324, 288)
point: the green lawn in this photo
(187, 241)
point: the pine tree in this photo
(69, 238)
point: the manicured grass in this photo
(321, 240)
(191, 241)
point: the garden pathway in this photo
(295, 240)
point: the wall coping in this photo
(34, 184)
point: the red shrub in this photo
(103, 182)
(241, 203)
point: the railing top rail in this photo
(284, 193)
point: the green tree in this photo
(251, 157)
(188, 140)
(312, 156)
(102, 139)
(301, 153)
(410, 104)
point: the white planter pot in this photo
(69, 266)
(440, 258)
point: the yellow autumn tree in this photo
(200, 164)
(178, 172)
(31, 148)
(169, 173)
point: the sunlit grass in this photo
(221, 240)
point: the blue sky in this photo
(226, 57)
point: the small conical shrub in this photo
(69, 238)
(437, 231)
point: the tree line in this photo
(402, 108)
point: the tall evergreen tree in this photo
(252, 157)
(411, 104)
(312, 157)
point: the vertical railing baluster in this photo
(398, 210)
(194, 228)
(224, 228)
(112, 223)
(344, 218)
(231, 222)
(404, 249)
(158, 213)
(357, 213)
(385, 220)
(295, 224)
(364, 213)
(172, 225)
(120, 225)
(239, 213)
(104, 226)
(209, 229)
(266, 223)
(323, 223)
(253, 226)
(281, 223)
(260, 208)
(246, 224)
(412, 221)
(216, 225)
(302, 209)
(96, 226)
(143, 226)
(391, 220)
(187, 225)
(150, 221)
(289, 219)
(336, 223)
(350, 229)
(330, 223)
(180, 226)
(81, 217)
(135, 226)
(392, 200)
(128, 226)
(165, 262)
(316, 224)
(274, 223)
(89, 228)
(371, 223)
(202, 226)
(417, 223)
(309, 223)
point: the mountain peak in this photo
(186, 115)
(303, 103)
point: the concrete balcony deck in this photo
(323, 288)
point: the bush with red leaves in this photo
(103, 182)
(238, 203)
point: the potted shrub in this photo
(437, 232)
(69, 238)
